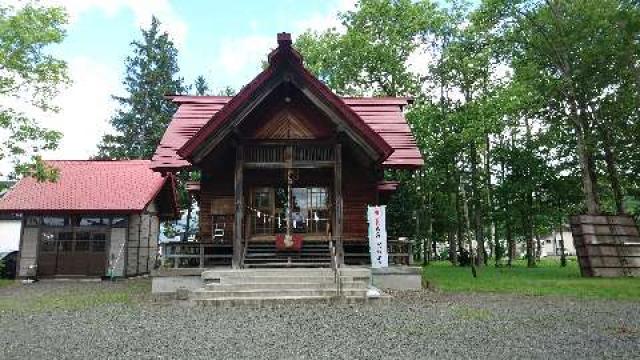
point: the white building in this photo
(551, 243)
(10, 227)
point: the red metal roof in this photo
(383, 115)
(126, 186)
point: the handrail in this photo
(188, 251)
(244, 251)
(334, 267)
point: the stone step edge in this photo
(260, 291)
(232, 301)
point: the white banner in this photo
(376, 216)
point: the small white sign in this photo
(376, 216)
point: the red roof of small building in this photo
(126, 186)
(383, 115)
(379, 120)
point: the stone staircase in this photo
(268, 286)
(265, 255)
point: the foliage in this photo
(526, 114)
(372, 56)
(30, 76)
(201, 86)
(151, 74)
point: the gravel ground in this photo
(414, 325)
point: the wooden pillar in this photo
(337, 188)
(239, 203)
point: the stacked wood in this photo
(607, 246)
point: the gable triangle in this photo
(284, 126)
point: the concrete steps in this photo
(258, 286)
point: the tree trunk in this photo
(511, 245)
(427, 250)
(434, 249)
(465, 206)
(453, 246)
(453, 255)
(477, 209)
(585, 158)
(563, 257)
(584, 148)
(491, 220)
(531, 259)
(460, 222)
(528, 215)
(538, 247)
(612, 170)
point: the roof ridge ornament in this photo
(284, 39)
(284, 50)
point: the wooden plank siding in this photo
(359, 189)
(215, 190)
(607, 246)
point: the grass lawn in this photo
(75, 296)
(5, 282)
(548, 278)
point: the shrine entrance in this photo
(290, 203)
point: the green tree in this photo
(372, 56)
(144, 113)
(526, 104)
(201, 86)
(30, 75)
(576, 55)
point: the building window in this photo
(55, 221)
(98, 242)
(262, 211)
(32, 221)
(48, 242)
(90, 221)
(120, 222)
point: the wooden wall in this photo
(216, 197)
(359, 190)
(607, 246)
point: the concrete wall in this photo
(165, 282)
(142, 244)
(28, 251)
(10, 235)
(398, 278)
(117, 251)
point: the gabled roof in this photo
(114, 187)
(382, 114)
(378, 122)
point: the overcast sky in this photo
(223, 40)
